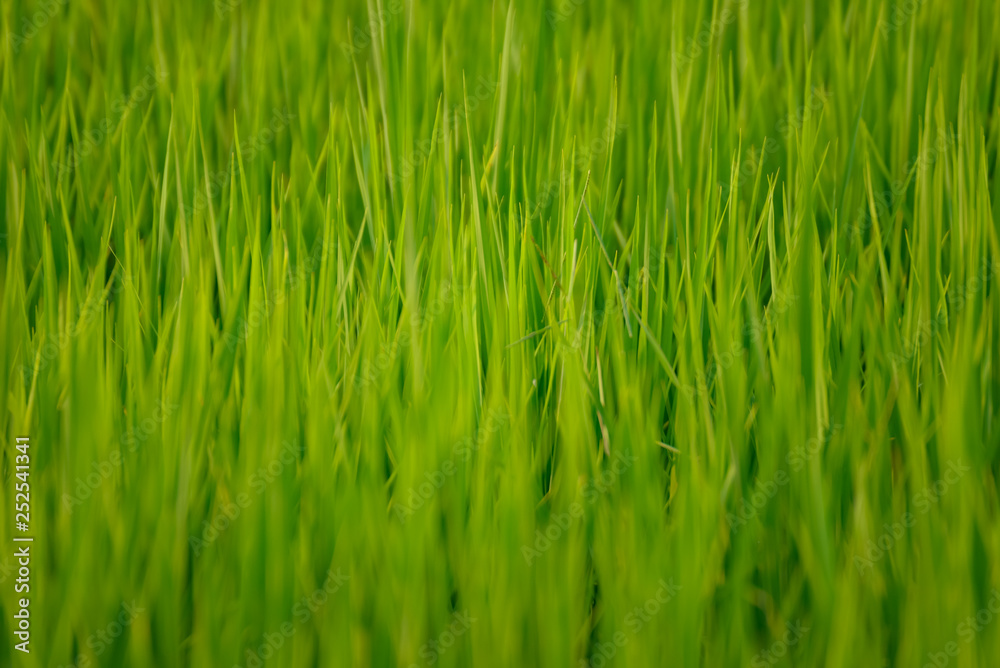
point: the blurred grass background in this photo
(466, 333)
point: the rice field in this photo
(459, 333)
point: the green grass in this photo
(469, 333)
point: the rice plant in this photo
(452, 333)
